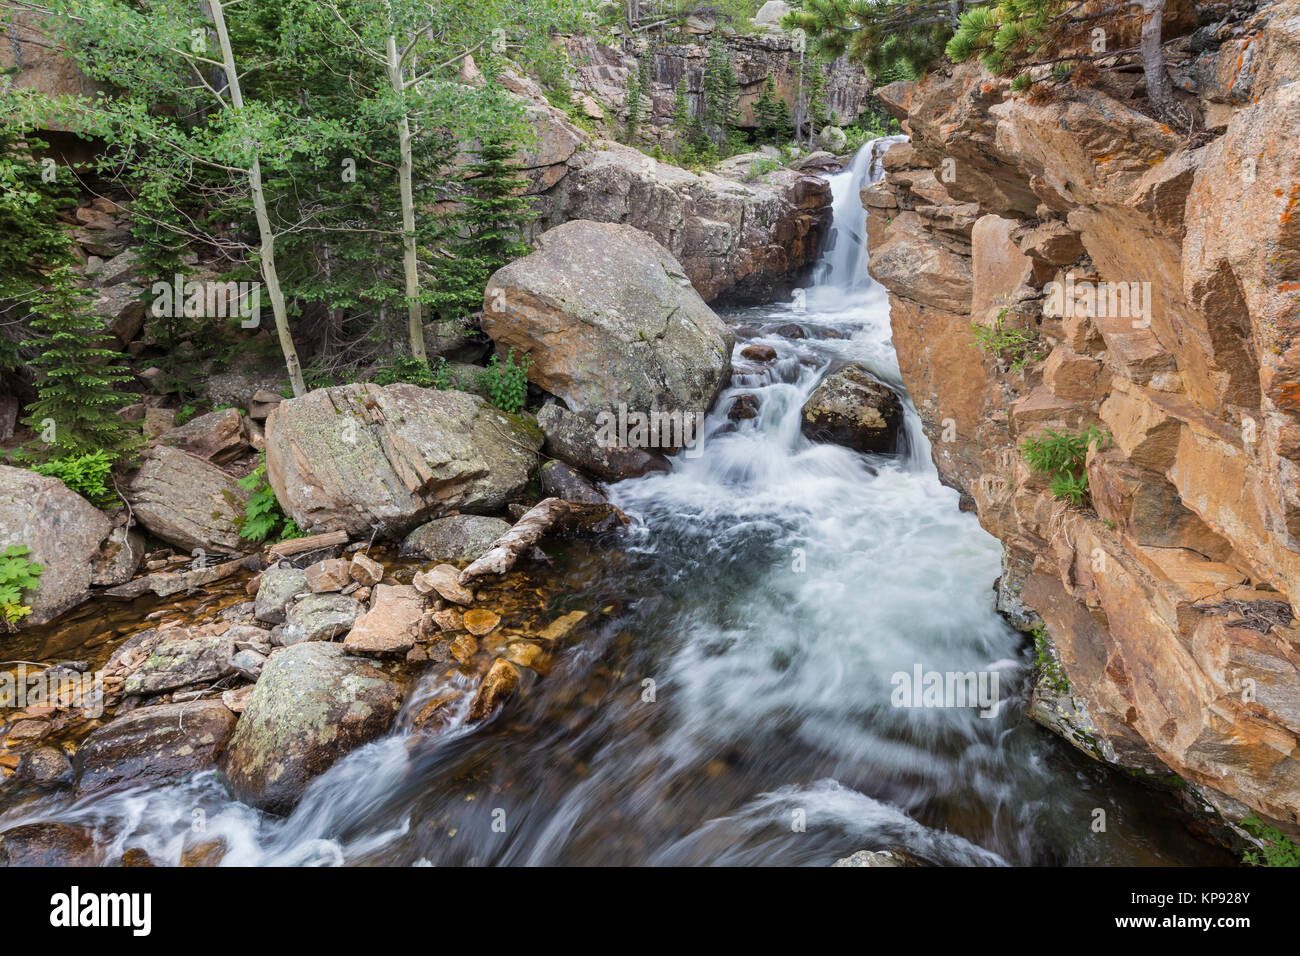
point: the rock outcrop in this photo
(1155, 283)
(366, 459)
(188, 502)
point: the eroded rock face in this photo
(152, 745)
(365, 458)
(607, 317)
(63, 532)
(313, 704)
(1169, 606)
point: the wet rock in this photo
(575, 439)
(366, 571)
(332, 574)
(449, 619)
(744, 407)
(278, 588)
(319, 617)
(188, 502)
(360, 457)
(48, 844)
(63, 533)
(500, 682)
(205, 853)
(791, 330)
(481, 621)
(153, 745)
(562, 481)
(523, 653)
(851, 408)
(181, 661)
(217, 437)
(444, 579)
(392, 624)
(135, 856)
(313, 704)
(758, 353)
(45, 767)
(562, 626)
(875, 858)
(607, 316)
(463, 647)
(455, 538)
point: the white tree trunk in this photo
(1160, 91)
(405, 173)
(266, 251)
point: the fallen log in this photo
(291, 546)
(550, 516)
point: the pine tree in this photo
(881, 34)
(718, 107)
(767, 114)
(632, 99)
(78, 380)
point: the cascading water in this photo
(734, 702)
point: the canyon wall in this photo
(1167, 599)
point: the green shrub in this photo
(760, 168)
(1278, 849)
(1049, 671)
(506, 383)
(1017, 347)
(87, 475)
(1063, 456)
(17, 574)
(263, 517)
(411, 371)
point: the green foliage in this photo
(414, 372)
(1049, 671)
(760, 168)
(78, 379)
(718, 95)
(772, 116)
(87, 475)
(505, 382)
(17, 574)
(33, 240)
(1278, 849)
(1017, 347)
(886, 36)
(1062, 456)
(263, 517)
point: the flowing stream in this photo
(729, 700)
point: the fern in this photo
(17, 574)
(263, 517)
(87, 475)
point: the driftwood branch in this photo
(551, 516)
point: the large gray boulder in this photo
(360, 458)
(852, 408)
(577, 439)
(608, 317)
(61, 530)
(188, 502)
(151, 745)
(312, 704)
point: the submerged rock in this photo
(313, 704)
(48, 844)
(853, 409)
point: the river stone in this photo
(118, 558)
(608, 317)
(188, 502)
(63, 532)
(217, 437)
(153, 745)
(562, 481)
(455, 538)
(390, 627)
(48, 844)
(332, 574)
(365, 571)
(312, 704)
(319, 617)
(445, 580)
(875, 858)
(851, 408)
(45, 767)
(181, 661)
(500, 682)
(574, 438)
(248, 664)
(364, 458)
(278, 587)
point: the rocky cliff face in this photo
(1176, 329)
